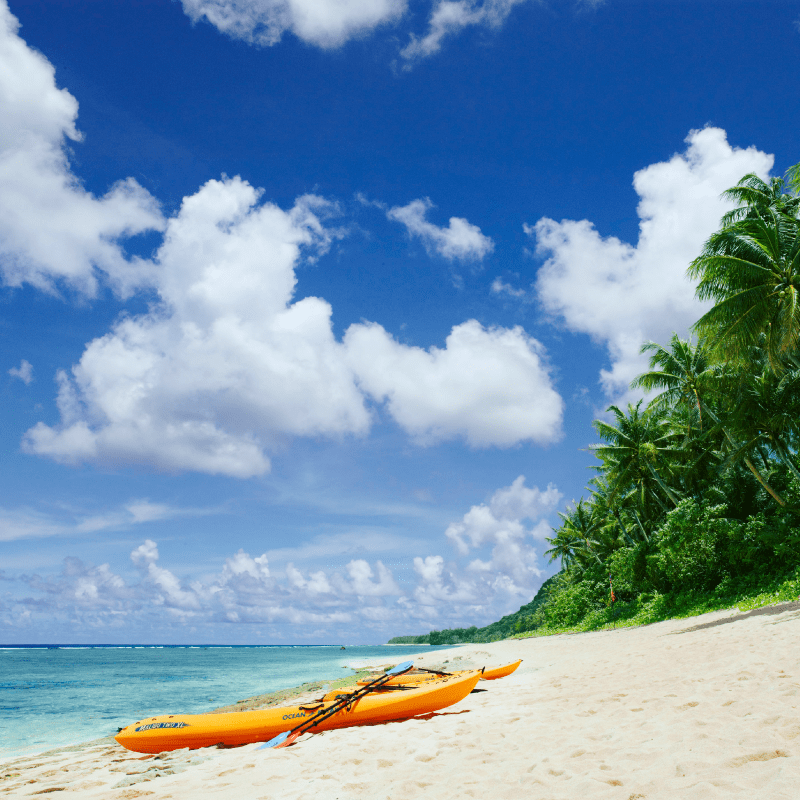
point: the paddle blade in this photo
(275, 741)
(290, 739)
(404, 667)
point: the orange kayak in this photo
(499, 672)
(410, 678)
(414, 678)
(157, 734)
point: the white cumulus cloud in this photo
(495, 569)
(242, 564)
(489, 386)
(504, 516)
(362, 583)
(623, 294)
(169, 591)
(51, 229)
(510, 572)
(331, 23)
(325, 23)
(460, 240)
(512, 568)
(226, 363)
(442, 588)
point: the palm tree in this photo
(701, 448)
(687, 378)
(753, 194)
(793, 179)
(764, 410)
(750, 268)
(573, 541)
(682, 371)
(637, 449)
(564, 547)
(613, 530)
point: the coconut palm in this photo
(687, 378)
(635, 453)
(562, 547)
(616, 527)
(701, 449)
(683, 373)
(764, 410)
(688, 382)
(753, 194)
(751, 270)
(793, 179)
(573, 541)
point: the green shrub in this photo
(688, 548)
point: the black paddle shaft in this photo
(321, 716)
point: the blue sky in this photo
(307, 307)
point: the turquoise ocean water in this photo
(59, 695)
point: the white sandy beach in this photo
(655, 712)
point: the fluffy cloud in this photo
(450, 17)
(440, 589)
(244, 591)
(491, 387)
(496, 584)
(51, 229)
(495, 570)
(243, 564)
(512, 566)
(88, 585)
(226, 363)
(325, 23)
(504, 515)
(24, 372)
(460, 240)
(331, 23)
(317, 582)
(621, 294)
(361, 582)
(171, 593)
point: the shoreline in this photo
(293, 695)
(307, 691)
(675, 708)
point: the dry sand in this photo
(664, 711)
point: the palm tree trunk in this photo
(699, 407)
(759, 477)
(763, 482)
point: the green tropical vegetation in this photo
(695, 501)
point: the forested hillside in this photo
(696, 499)
(503, 628)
